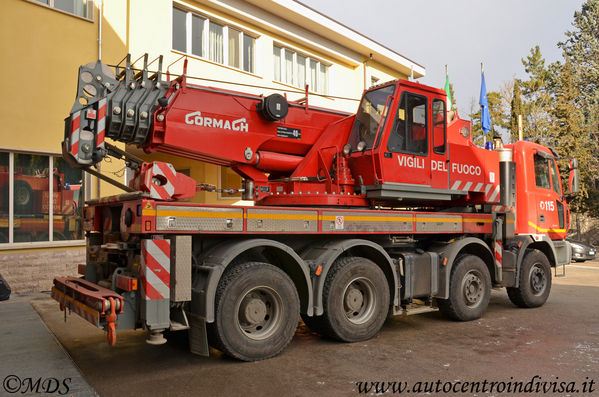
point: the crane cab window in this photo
(409, 133)
(542, 172)
(371, 117)
(439, 115)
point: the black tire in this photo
(23, 198)
(256, 312)
(355, 300)
(534, 281)
(469, 290)
(315, 323)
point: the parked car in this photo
(582, 252)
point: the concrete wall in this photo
(31, 271)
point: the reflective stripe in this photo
(155, 269)
(495, 194)
(541, 230)
(101, 123)
(167, 190)
(75, 123)
(350, 218)
(498, 253)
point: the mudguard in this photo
(324, 256)
(219, 258)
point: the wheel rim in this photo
(538, 280)
(259, 313)
(473, 288)
(359, 300)
(21, 195)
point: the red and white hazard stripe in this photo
(491, 191)
(161, 191)
(498, 248)
(155, 269)
(85, 314)
(503, 208)
(74, 139)
(101, 123)
(493, 194)
(89, 314)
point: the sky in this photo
(460, 34)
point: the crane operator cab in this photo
(400, 147)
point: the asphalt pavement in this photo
(32, 362)
(553, 349)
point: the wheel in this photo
(23, 197)
(469, 290)
(355, 300)
(535, 281)
(58, 236)
(257, 311)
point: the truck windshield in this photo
(557, 186)
(545, 169)
(373, 110)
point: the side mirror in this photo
(574, 179)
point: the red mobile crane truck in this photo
(389, 210)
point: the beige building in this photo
(256, 46)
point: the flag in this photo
(448, 91)
(485, 116)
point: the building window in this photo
(228, 179)
(179, 34)
(41, 195)
(295, 69)
(81, 8)
(197, 35)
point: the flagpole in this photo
(482, 71)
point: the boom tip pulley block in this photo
(117, 104)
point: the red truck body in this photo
(390, 209)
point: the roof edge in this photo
(345, 27)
